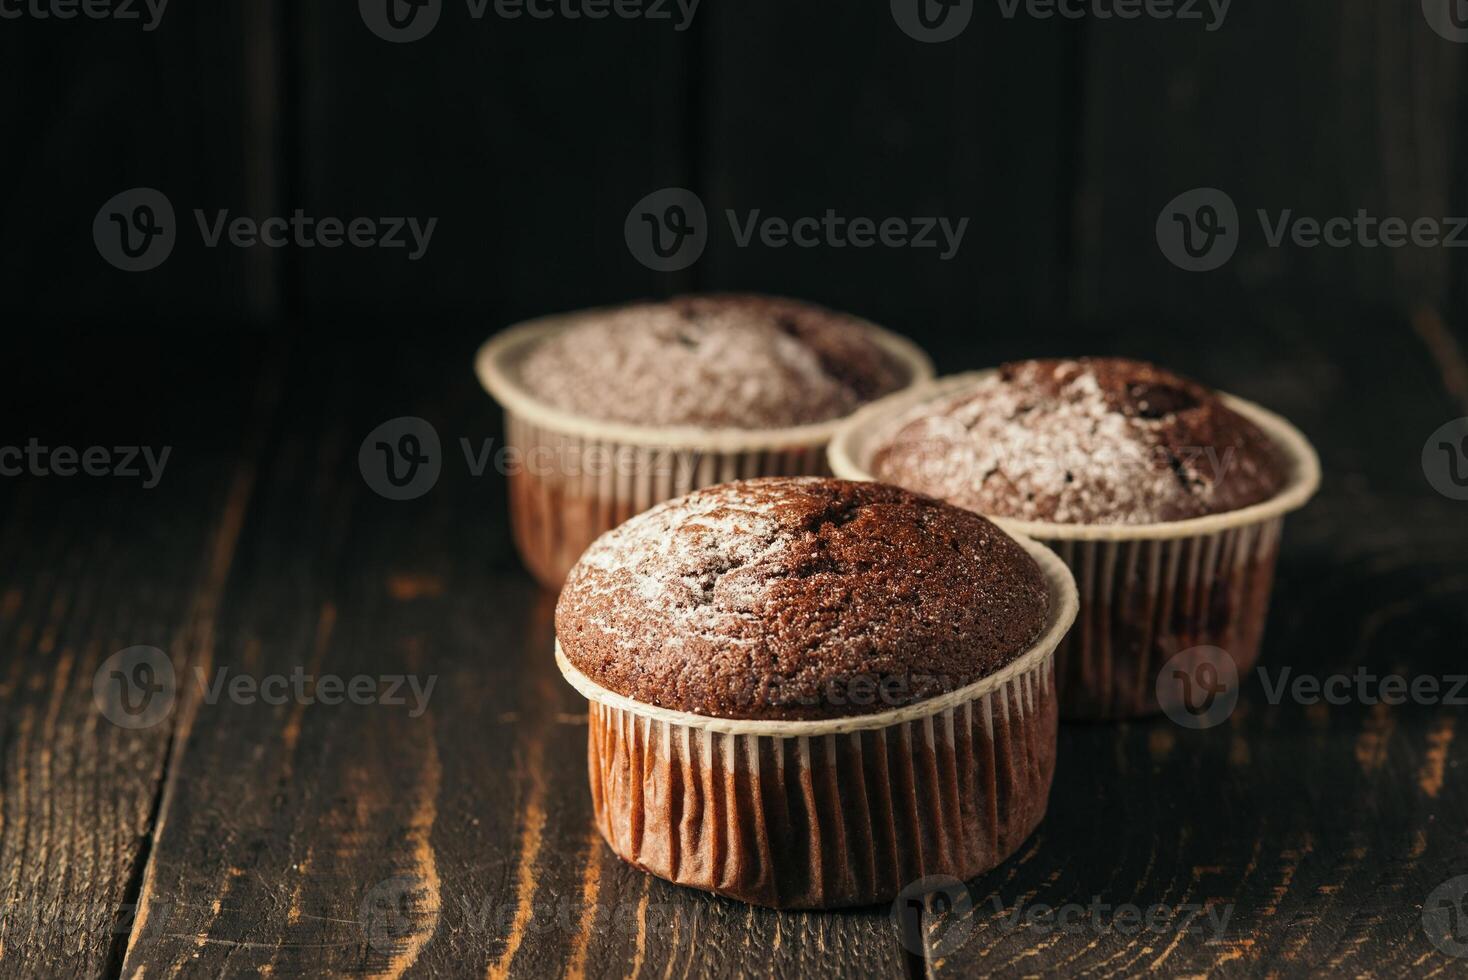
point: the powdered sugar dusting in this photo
(697, 560)
(750, 599)
(1081, 442)
(716, 362)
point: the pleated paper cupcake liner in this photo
(1144, 601)
(1147, 591)
(570, 489)
(573, 478)
(832, 813)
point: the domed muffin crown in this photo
(799, 598)
(713, 361)
(1087, 441)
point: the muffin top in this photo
(1088, 441)
(799, 598)
(716, 361)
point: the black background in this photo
(530, 140)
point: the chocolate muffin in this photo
(608, 412)
(774, 598)
(1165, 499)
(808, 692)
(717, 361)
(1086, 441)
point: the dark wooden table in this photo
(239, 838)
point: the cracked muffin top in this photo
(1087, 441)
(799, 598)
(713, 361)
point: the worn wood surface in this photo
(307, 838)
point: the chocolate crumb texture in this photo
(1087, 441)
(799, 598)
(719, 361)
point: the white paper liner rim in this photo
(1063, 609)
(496, 366)
(850, 451)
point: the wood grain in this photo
(93, 565)
(302, 838)
(309, 838)
(1321, 829)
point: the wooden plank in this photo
(1321, 829)
(93, 565)
(357, 838)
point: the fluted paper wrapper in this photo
(576, 478)
(593, 484)
(824, 814)
(1144, 601)
(1147, 592)
(829, 820)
